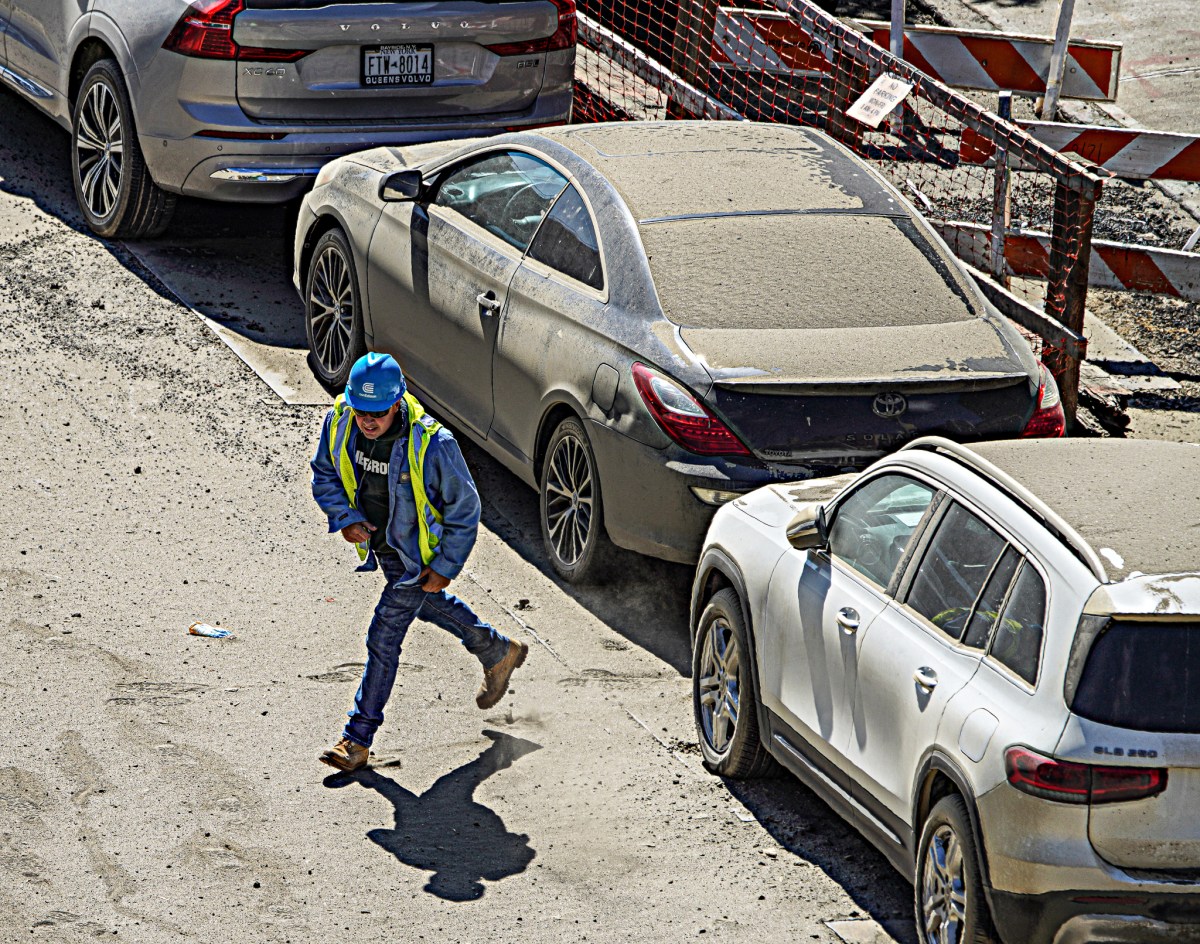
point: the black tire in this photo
(114, 189)
(948, 872)
(333, 318)
(571, 507)
(723, 685)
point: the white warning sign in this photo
(885, 93)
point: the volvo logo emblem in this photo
(889, 405)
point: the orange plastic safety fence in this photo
(788, 61)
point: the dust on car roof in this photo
(684, 168)
(820, 271)
(1136, 502)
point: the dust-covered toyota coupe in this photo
(644, 320)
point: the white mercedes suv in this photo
(987, 659)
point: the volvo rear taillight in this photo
(1070, 782)
(1048, 419)
(684, 418)
(564, 37)
(205, 31)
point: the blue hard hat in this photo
(375, 382)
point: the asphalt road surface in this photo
(158, 786)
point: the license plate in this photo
(408, 64)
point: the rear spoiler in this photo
(1160, 597)
(915, 383)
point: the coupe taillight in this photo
(684, 418)
(564, 37)
(205, 31)
(1070, 782)
(1048, 419)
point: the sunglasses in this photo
(373, 414)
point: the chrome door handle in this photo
(926, 678)
(488, 302)
(847, 618)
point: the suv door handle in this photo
(847, 618)
(926, 678)
(488, 302)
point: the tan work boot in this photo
(495, 679)
(346, 755)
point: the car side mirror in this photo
(809, 532)
(404, 186)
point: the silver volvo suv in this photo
(987, 659)
(244, 100)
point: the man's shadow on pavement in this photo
(445, 831)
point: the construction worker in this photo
(393, 481)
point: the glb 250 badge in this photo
(1125, 752)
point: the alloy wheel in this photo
(719, 685)
(100, 142)
(943, 889)
(570, 500)
(331, 309)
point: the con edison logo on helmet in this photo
(889, 404)
(368, 389)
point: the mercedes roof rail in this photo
(1018, 493)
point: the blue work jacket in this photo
(448, 483)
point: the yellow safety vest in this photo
(419, 423)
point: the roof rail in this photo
(1018, 493)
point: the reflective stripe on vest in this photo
(420, 424)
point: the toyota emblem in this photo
(889, 405)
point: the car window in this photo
(954, 569)
(506, 193)
(979, 629)
(1113, 686)
(567, 241)
(874, 524)
(1017, 640)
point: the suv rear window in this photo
(1143, 676)
(952, 573)
(1017, 637)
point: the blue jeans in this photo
(398, 606)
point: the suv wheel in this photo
(116, 194)
(333, 317)
(723, 698)
(571, 512)
(950, 905)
